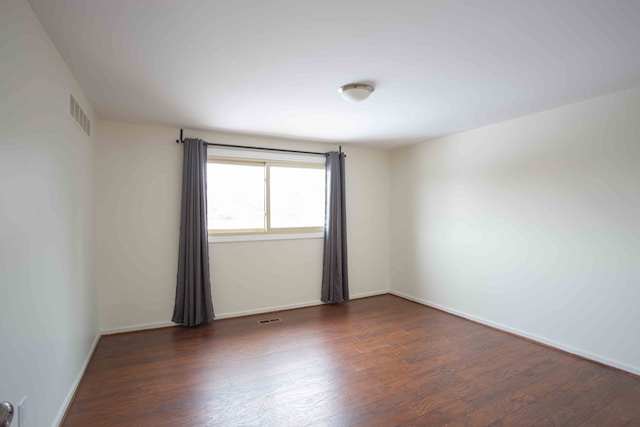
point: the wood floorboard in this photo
(379, 361)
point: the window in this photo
(264, 195)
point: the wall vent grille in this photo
(79, 116)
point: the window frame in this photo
(266, 159)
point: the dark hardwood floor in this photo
(379, 361)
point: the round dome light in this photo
(356, 92)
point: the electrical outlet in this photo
(22, 408)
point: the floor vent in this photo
(78, 115)
(266, 321)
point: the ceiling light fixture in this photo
(356, 92)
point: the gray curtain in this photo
(335, 281)
(193, 304)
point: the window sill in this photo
(261, 237)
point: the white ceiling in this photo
(273, 67)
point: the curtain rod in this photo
(282, 150)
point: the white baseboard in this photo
(135, 328)
(156, 325)
(267, 309)
(532, 337)
(72, 391)
(292, 306)
(369, 294)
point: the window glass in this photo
(235, 196)
(297, 197)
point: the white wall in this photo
(532, 225)
(137, 223)
(48, 317)
(139, 180)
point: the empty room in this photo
(319, 213)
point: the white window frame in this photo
(271, 157)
